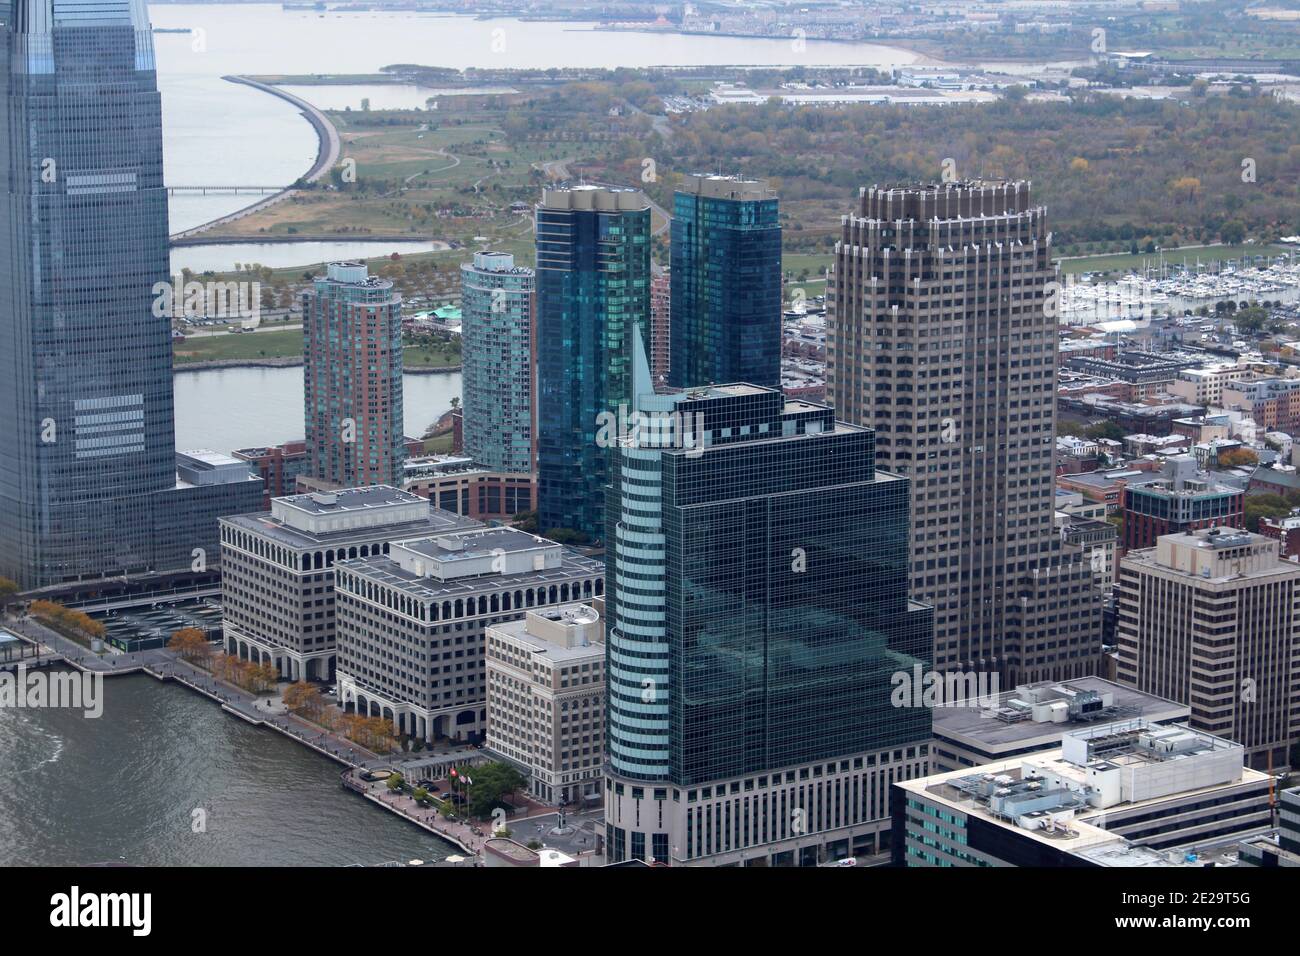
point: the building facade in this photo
(1212, 619)
(661, 325)
(546, 700)
(593, 298)
(412, 622)
(454, 483)
(277, 585)
(757, 607)
(278, 467)
(1122, 794)
(498, 354)
(939, 338)
(352, 377)
(88, 483)
(1181, 499)
(725, 283)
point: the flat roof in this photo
(436, 522)
(486, 542)
(972, 727)
(350, 499)
(385, 571)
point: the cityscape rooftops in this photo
(315, 518)
(204, 467)
(484, 560)
(594, 198)
(563, 633)
(713, 186)
(1032, 716)
(1058, 796)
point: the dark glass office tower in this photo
(88, 481)
(593, 294)
(726, 283)
(86, 389)
(758, 612)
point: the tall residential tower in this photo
(352, 378)
(497, 304)
(938, 337)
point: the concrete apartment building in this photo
(277, 582)
(352, 377)
(1212, 619)
(1125, 794)
(939, 338)
(1204, 386)
(1274, 403)
(412, 621)
(546, 700)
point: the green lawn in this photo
(248, 345)
(288, 344)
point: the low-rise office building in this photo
(546, 700)
(412, 621)
(1182, 498)
(1120, 794)
(1031, 718)
(1212, 619)
(277, 585)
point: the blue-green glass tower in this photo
(726, 283)
(758, 611)
(593, 297)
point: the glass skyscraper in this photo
(726, 283)
(497, 303)
(88, 482)
(593, 298)
(757, 605)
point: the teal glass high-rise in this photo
(758, 619)
(593, 297)
(726, 283)
(497, 304)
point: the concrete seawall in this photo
(327, 154)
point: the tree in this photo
(1237, 457)
(303, 698)
(493, 783)
(265, 675)
(395, 782)
(8, 590)
(1108, 430)
(191, 644)
(1264, 506)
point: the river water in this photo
(229, 408)
(123, 788)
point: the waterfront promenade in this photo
(268, 710)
